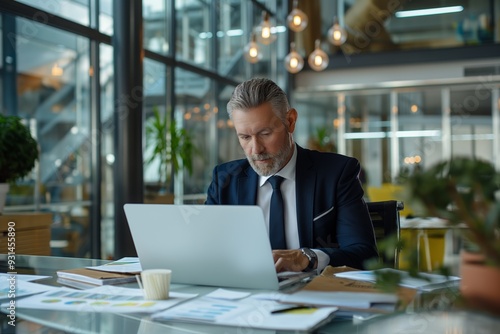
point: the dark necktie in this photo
(277, 215)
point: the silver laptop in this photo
(215, 245)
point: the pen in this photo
(298, 307)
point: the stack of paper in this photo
(427, 282)
(116, 272)
(94, 276)
(353, 297)
(342, 299)
(248, 313)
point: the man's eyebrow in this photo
(267, 128)
(242, 134)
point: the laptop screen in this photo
(216, 245)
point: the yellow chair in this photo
(430, 244)
(387, 192)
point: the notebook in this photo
(214, 245)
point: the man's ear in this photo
(291, 119)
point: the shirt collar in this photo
(287, 172)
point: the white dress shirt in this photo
(264, 194)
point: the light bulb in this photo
(264, 34)
(293, 61)
(297, 19)
(318, 59)
(336, 34)
(252, 51)
(57, 70)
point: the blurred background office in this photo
(397, 84)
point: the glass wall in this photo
(471, 122)
(107, 153)
(106, 16)
(229, 146)
(420, 123)
(155, 105)
(60, 65)
(77, 11)
(53, 96)
(156, 38)
(194, 33)
(231, 38)
(196, 111)
(367, 123)
(395, 131)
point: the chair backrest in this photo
(385, 219)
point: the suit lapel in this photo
(305, 183)
(247, 187)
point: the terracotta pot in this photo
(480, 284)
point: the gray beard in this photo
(278, 161)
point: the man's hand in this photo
(289, 260)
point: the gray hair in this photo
(254, 92)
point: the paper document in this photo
(427, 283)
(20, 289)
(424, 223)
(95, 277)
(24, 277)
(75, 284)
(357, 300)
(248, 313)
(100, 299)
(227, 294)
(126, 265)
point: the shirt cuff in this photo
(323, 260)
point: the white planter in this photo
(4, 189)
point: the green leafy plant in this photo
(18, 149)
(320, 140)
(171, 146)
(463, 191)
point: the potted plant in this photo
(18, 153)
(171, 148)
(320, 140)
(466, 191)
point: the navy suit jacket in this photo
(331, 213)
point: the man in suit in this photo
(326, 221)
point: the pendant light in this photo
(297, 20)
(252, 51)
(264, 34)
(337, 34)
(293, 61)
(56, 70)
(318, 59)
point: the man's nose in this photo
(257, 147)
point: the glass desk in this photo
(47, 321)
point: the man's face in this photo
(267, 143)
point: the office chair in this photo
(385, 219)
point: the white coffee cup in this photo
(155, 283)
